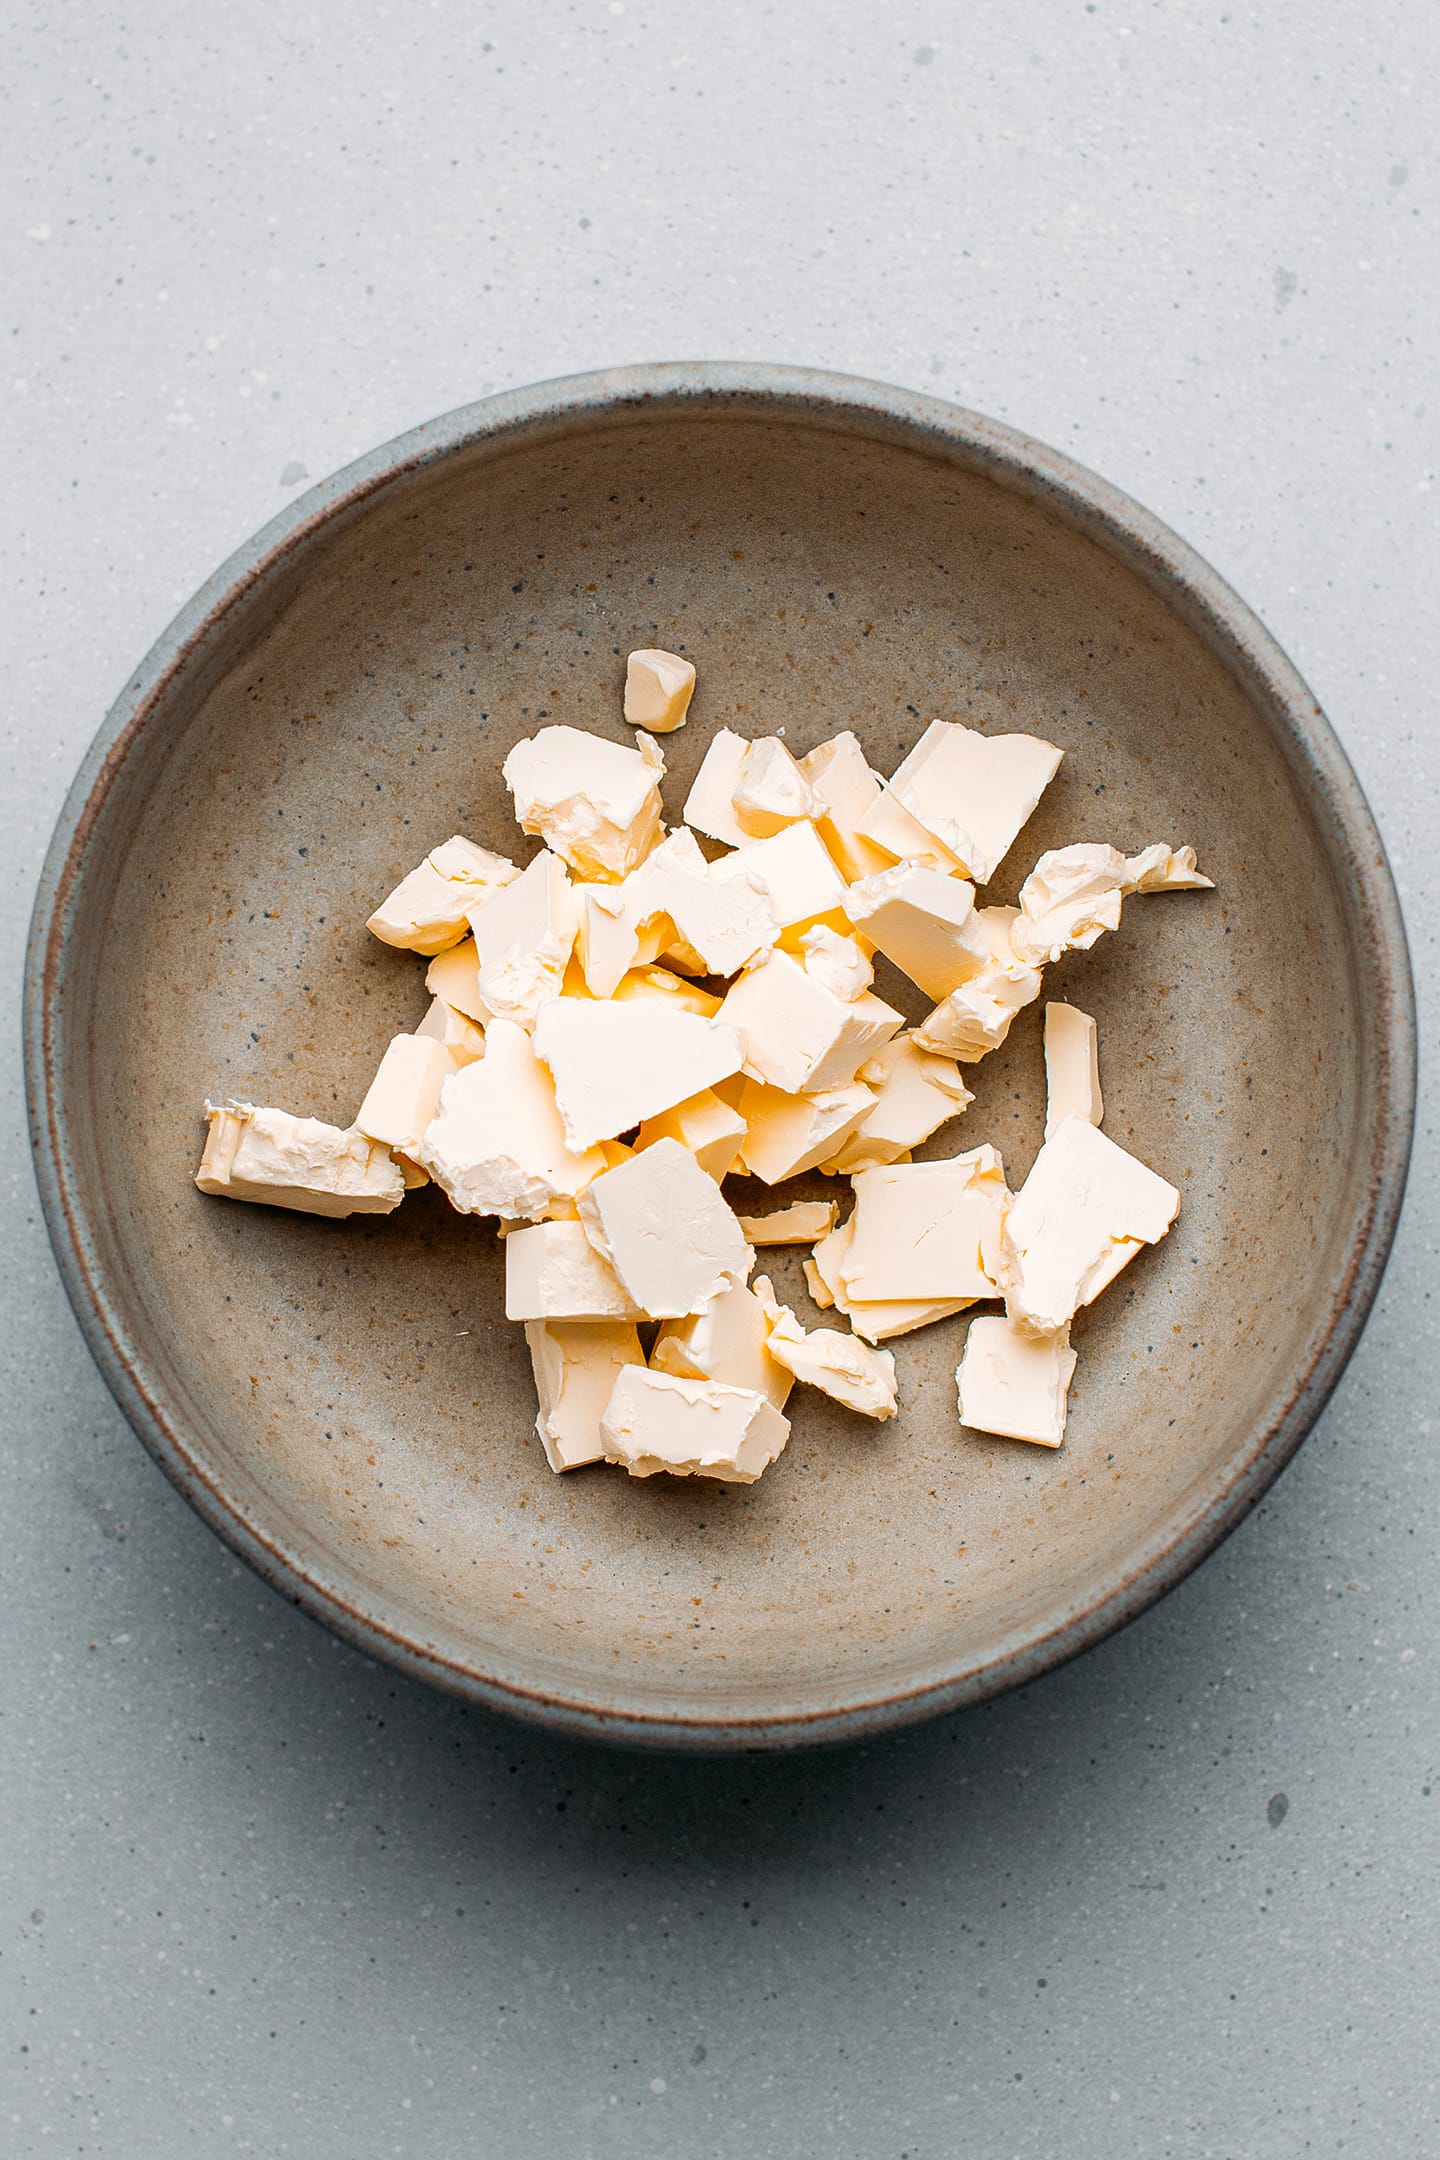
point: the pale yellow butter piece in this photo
(785, 1134)
(725, 1341)
(876, 1319)
(717, 922)
(576, 1363)
(974, 792)
(597, 803)
(661, 1222)
(553, 1272)
(1013, 1383)
(927, 1230)
(840, 963)
(710, 1128)
(710, 805)
(1072, 1067)
(798, 1035)
(771, 792)
(405, 1093)
(798, 876)
(975, 1019)
(523, 941)
(848, 1371)
(1083, 1213)
(430, 909)
(658, 689)
(900, 837)
(453, 978)
(276, 1160)
(915, 1094)
(845, 789)
(616, 1063)
(925, 922)
(802, 1223)
(658, 982)
(497, 1145)
(463, 1038)
(657, 1421)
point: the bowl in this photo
(344, 1403)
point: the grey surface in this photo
(261, 1896)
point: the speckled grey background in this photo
(260, 1897)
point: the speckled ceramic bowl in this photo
(344, 1403)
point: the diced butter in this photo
(405, 1093)
(1015, 1384)
(786, 1134)
(916, 1093)
(718, 922)
(772, 792)
(798, 876)
(925, 922)
(974, 792)
(1074, 894)
(710, 1128)
(1165, 869)
(296, 1162)
(553, 1272)
(615, 1064)
(710, 805)
(845, 789)
(658, 982)
(876, 1319)
(597, 803)
(900, 837)
(848, 1371)
(725, 1341)
(927, 1230)
(975, 1019)
(661, 1223)
(523, 941)
(1072, 1067)
(497, 1145)
(658, 689)
(430, 909)
(453, 977)
(837, 962)
(798, 1035)
(1081, 1215)
(802, 1223)
(608, 941)
(576, 1364)
(463, 1038)
(657, 1421)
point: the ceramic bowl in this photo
(344, 1403)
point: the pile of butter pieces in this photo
(568, 1011)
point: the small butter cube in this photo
(876, 1319)
(553, 1272)
(1165, 869)
(658, 689)
(597, 803)
(797, 875)
(785, 1134)
(657, 1421)
(576, 1364)
(802, 1223)
(617, 1063)
(464, 1039)
(923, 921)
(608, 941)
(842, 1368)
(710, 806)
(974, 791)
(724, 1341)
(710, 1128)
(1015, 1384)
(1070, 898)
(915, 1094)
(497, 1145)
(454, 978)
(405, 1093)
(837, 962)
(430, 909)
(798, 1035)
(523, 941)
(975, 1019)
(718, 922)
(927, 1230)
(658, 982)
(278, 1160)
(772, 792)
(1082, 1214)
(845, 789)
(900, 837)
(661, 1223)
(1072, 1067)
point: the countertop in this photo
(264, 1897)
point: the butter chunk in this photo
(974, 792)
(771, 792)
(1072, 1067)
(845, 789)
(608, 941)
(802, 1223)
(713, 1131)
(278, 1160)
(523, 941)
(837, 962)
(430, 909)
(796, 873)
(798, 1035)
(615, 1064)
(718, 921)
(553, 1272)
(900, 837)
(975, 1019)
(657, 1421)
(462, 1037)
(576, 1364)
(405, 1093)
(710, 805)
(658, 982)
(877, 1319)
(1165, 869)
(1082, 1214)
(785, 1134)
(927, 1230)
(925, 922)
(658, 689)
(848, 1371)
(453, 977)
(916, 1093)
(1074, 894)
(497, 1145)
(726, 1341)
(1014, 1384)
(597, 803)
(660, 1221)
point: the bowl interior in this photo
(352, 1392)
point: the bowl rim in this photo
(803, 395)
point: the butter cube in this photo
(785, 1134)
(718, 922)
(553, 1272)
(974, 791)
(837, 962)
(661, 1223)
(772, 792)
(877, 1319)
(615, 1064)
(596, 803)
(845, 789)
(446, 1024)
(925, 922)
(658, 689)
(576, 1364)
(708, 1127)
(1072, 1067)
(724, 1341)
(1165, 869)
(454, 978)
(797, 875)
(657, 1421)
(497, 1145)
(523, 941)
(846, 1370)
(278, 1160)
(802, 1223)
(975, 1019)
(608, 940)
(430, 909)
(1080, 1217)
(710, 805)
(1074, 894)
(1015, 1384)
(900, 837)
(405, 1093)
(927, 1230)
(915, 1094)
(658, 982)
(798, 1035)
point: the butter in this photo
(900, 837)
(293, 1162)
(596, 803)
(430, 909)
(844, 788)
(553, 1272)
(615, 1064)
(658, 689)
(405, 1093)
(837, 962)
(798, 1035)
(1015, 1384)
(785, 1134)
(915, 1094)
(446, 1024)
(797, 876)
(453, 977)
(1080, 1217)
(974, 792)
(975, 1019)
(927, 1230)
(708, 1127)
(710, 805)
(726, 1341)
(1165, 869)
(661, 1223)
(925, 922)
(576, 1364)
(657, 1421)
(523, 941)
(802, 1223)
(1072, 1068)
(658, 982)
(497, 1145)
(877, 1319)
(846, 1370)
(608, 942)
(1074, 894)
(771, 792)
(717, 922)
